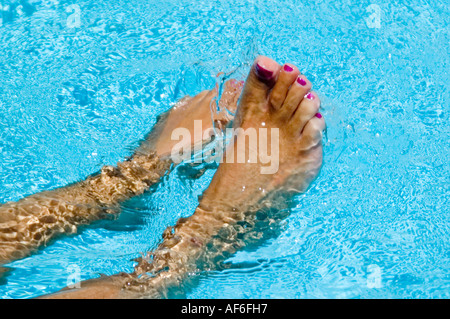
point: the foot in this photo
(278, 99)
(34, 220)
(201, 108)
(273, 97)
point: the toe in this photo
(260, 80)
(266, 70)
(312, 133)
(254, 98)
(306, 110)
(228, 102)
(230, 95)
(286, 77)
(295, 95)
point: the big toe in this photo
(260, 81)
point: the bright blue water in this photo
(375, 224)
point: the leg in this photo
(33, 221)
(274, 97)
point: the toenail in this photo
(301, 81)
(263, 72)
(318, 115)
(310, 96)
(287, 68)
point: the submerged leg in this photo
(275, 98)
(33, 221)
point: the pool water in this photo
(82, 82)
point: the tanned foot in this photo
(35, 220)
(201, 107)
(278, 99)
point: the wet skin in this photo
(33, 221)
(274, 96)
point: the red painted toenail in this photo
(287, 68)
(263, 72)
(301, 81)
(310, 96)
(318, 115)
